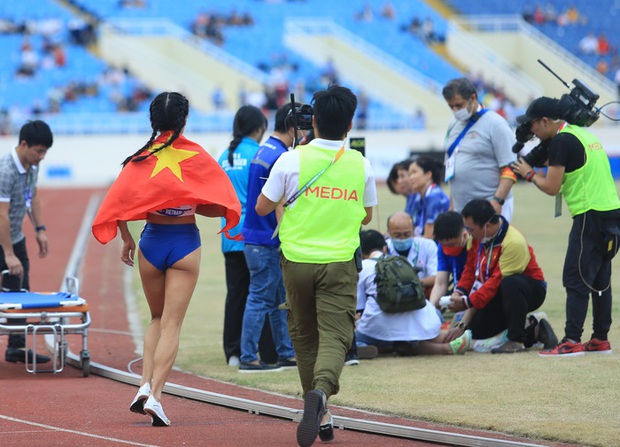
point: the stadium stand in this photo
(564, 22)
(85, 94)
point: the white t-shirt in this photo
(416, 325)
(422, 254)
(283, 180)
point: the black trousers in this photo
(517, 296)
(237, 285)
(12, 283)
(587, 272)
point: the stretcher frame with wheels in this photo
(54, 315)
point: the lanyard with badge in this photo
(478, 283)
(27, 181)
(453, 149)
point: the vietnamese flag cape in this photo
(181, 174)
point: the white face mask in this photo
(463, 114)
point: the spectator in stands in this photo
(361, 117)
(539, 15)
(138, 4)
(480, 167)
(419, 119)
(428, 200)
(588, 44)
(366, 14)
(416, 332)
(550, 13)
(528, 13)
(217, 98)
(329, 73)
(421, 252)
(29, 60)
(603, 45)
(602, 66)
(501, 281)
(387, 11)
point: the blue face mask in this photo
(402, 245)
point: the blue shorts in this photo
(163, 245)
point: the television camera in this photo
(576, 107)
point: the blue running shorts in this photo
(163, 245)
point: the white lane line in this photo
(81, 433)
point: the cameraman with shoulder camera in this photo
(329, 193)
(579, 169)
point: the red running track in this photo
(67, 410)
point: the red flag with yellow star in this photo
(180, 174)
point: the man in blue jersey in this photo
(263, 258)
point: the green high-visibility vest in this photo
(591, 187)
(323, 225)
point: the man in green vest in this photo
(328, 192)
(579, 169)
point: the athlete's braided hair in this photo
(168, 111)
(247, 120)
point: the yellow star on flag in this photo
(170, 158)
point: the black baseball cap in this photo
(540, 108)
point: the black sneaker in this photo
(261, 367)
(314, 409)
(15, 355)
(326, 431)
(546, 335)
(351, 359)
(287, 363)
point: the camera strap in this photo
(308, 184)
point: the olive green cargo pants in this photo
(321, 300)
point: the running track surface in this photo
(68, 410)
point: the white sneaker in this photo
(154, 408)
(137, 406)
(234, 361)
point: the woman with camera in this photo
(578, 167)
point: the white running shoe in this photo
(154, 408)
(137, 406)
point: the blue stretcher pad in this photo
(35, 300)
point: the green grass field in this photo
(567, 399)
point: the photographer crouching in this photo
(578, 169)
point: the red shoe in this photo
(596, 346)
(564, 349)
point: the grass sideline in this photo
(568, 399)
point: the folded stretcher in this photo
(51, 314)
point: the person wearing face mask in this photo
(421, 252)
(500, 284)
(579, 170)
(453, 240)
(478, 147)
